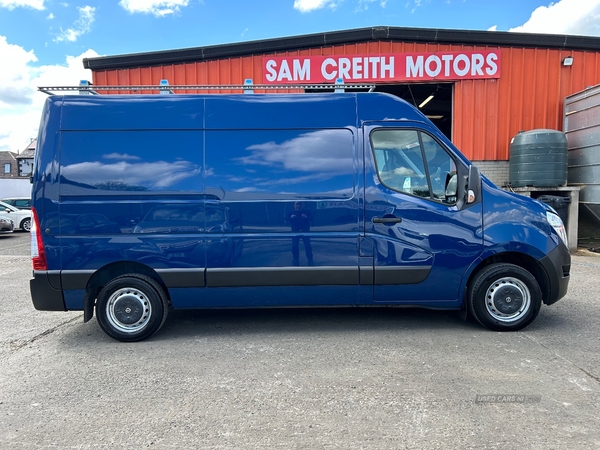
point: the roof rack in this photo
(165, 88)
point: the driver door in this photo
(423, 237)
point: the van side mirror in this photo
(473, 193)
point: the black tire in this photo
(504, 297)
(131, 307)
(26, 225)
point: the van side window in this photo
(441, 168)
(413, 162)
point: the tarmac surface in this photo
(348, 378)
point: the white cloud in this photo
(12, 4)
(416, 4)
(581, 17)
(14, 76)
(159, 8)
(20, 102)
(303, 153)
(363, 5)
(81, 26)
(311, 5)
(493, 28)
(159, 174)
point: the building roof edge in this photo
(331, 38)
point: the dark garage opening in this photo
(438, 109)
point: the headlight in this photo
(558, 226)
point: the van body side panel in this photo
(281, 111)
(288, 184)
(282, 296)
(132, 112)
(421, 256)
(74, 299)
(518, 224)
(131, 195)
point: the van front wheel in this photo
(131, 307)
(504, 297)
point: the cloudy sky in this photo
(42, 42)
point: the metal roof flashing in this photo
(300, 42)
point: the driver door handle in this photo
(387, 219)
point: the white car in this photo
(18, 202)
(6, 225)
(20, 217)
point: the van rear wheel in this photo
(504, 297)
(131, 307)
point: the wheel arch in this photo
(518, 259)
(109, 272)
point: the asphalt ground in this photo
(349, 378)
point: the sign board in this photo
(392, 67)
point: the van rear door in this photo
(423, 237)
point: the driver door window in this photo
(413, 162)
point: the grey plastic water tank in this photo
(538, 158)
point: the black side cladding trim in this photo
(182, 278)
(43, 295)
(271, 276)
(557, 265)
(174, 278)
(75, 279)
(54, 279)
(367, 275)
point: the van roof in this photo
(256, 111)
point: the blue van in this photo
(143, 203)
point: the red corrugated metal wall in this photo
(487, 113)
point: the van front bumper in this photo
(558, 267)
(44, 295)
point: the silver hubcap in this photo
(508, 299)
(128, 310)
